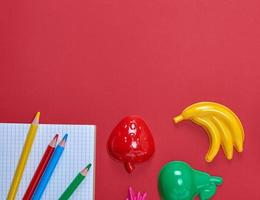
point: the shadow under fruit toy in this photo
(131, 142)
(178, 181)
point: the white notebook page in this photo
(78, 152)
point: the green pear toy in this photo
(178, 181)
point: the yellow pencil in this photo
(23, 158)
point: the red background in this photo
(97, 61)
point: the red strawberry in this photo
(131, 142)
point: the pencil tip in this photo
(54, 140)
(65, 137)
(63, 141)
(36, 118)
(88, 166)
(84, 171)
(56, 137)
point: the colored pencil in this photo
(40, 169)
(49, 169)
(75, 183)
(23, 158)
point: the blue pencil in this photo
(49, 169)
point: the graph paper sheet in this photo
(79, 151)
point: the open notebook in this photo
(79, 151)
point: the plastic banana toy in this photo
(222, 125)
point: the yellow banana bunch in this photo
(222, 125)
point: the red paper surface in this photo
(97, 61)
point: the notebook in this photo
(79, 151)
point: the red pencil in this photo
(40, 169)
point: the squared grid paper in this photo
(78, 152)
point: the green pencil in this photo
(75, 183)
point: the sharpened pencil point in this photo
(36, 118)
(65, 137)
(84, 171)
(88, 166)
(63, 141)
(54, 140)
(56, 137)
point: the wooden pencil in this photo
(49, 169)
(23, 158)
(75, 183)
(40, 169)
